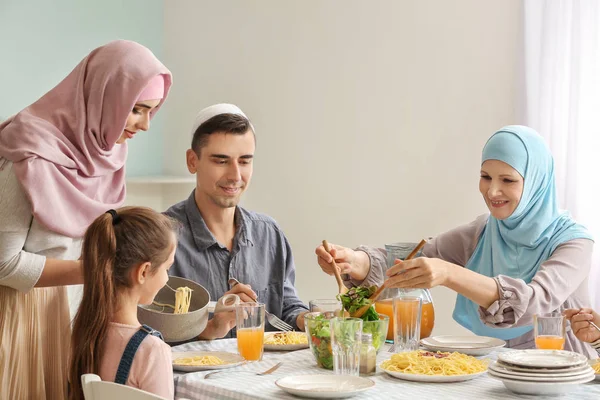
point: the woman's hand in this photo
(354, 263)
(425, 273)
(421, 272)
(580, 323)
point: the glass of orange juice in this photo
(549, 331)
(250, 323)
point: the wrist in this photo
(449, 275)
(206, 334)
(300, 320)
(361, 266)
(209, 332)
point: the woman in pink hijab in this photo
(62, 164)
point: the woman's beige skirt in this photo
(35, 335)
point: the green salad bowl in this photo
(319, 335)
(378, 329)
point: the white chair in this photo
(95, 389)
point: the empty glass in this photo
(346, 336)
(331, 307)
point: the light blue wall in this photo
(42, 40)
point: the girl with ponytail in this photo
(126, 255)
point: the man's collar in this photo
(204, 238)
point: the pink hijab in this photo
(63, 146)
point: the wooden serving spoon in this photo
(341, 287)
(373, 298)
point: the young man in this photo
(222, 246)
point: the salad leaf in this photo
(357, 297)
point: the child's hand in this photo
(581, 326)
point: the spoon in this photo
(341, 287)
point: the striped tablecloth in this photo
(234, 384)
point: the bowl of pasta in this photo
(179, 310)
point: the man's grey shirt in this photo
(261, 257)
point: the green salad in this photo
(354, 299)
(320, 336)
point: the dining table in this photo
(242, 382)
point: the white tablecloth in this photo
(233, 384)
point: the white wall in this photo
(370, 116)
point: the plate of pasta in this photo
(285, 341)
(191, 361)
(427, 366)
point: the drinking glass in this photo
(250, 323)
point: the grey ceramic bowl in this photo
(177, 327)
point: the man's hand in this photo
(300, 320)
(222, 322)
(219, 326)
(245, 292)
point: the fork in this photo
(277, 322)
(267, 372)
(274, 320)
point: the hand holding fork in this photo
(275, 321)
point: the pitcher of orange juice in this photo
(384, 304)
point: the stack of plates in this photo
(541, 372)
(470, 345)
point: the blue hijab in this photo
(519, 244)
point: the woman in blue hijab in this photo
(526, 257)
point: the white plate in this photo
(592, 362)
(538, 372)
(585, 374)
(283, 347)
(324, 386)
(543, 388)
(471, 345)
(542, 358)
(231, 359)
(433, 378)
